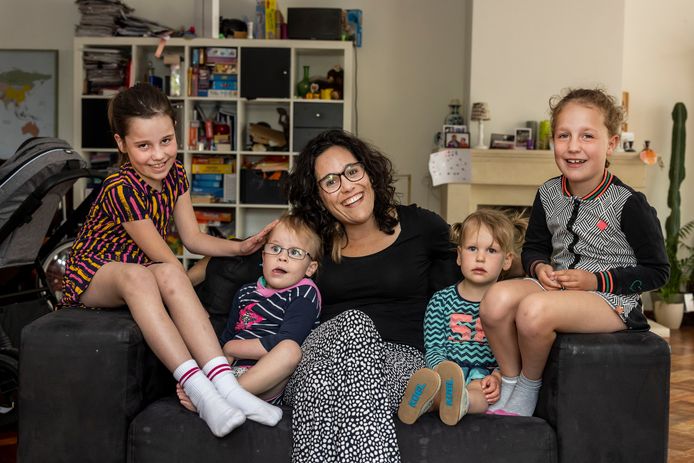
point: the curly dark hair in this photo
(304, 196)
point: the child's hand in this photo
(576, 279)
(547, 277)
(255, 242)
(491, 387)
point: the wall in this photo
(415, 55)
(658, 72)
(525, 52)
(52, 29)
(411, 64)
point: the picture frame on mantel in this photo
(502, 141)
(29, 91)
(457, 140)
(524, 136)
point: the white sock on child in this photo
(219, 415)
(508, 383)
(219, 372)
(524, 397)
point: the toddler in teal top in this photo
(461, 374)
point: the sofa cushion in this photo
(223, 277)
(165, 432)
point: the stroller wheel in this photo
(54, 266)
(9, 389)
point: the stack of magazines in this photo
(99, 17)
(105, 70)
(132, 26)
(103, 18)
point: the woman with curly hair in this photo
(382, 263)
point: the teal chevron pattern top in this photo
(453, 331)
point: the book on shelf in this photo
(222, 55)
(259, 21)
(215, 180)
(212, 169)
(203, 80)
(203, 199)
(209, 160)
(206, 215)
(270, 19)
(215, 177)
(216, 191)
(229, 185)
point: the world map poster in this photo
(28, 97)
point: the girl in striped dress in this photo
(593, 245)
(121, 257)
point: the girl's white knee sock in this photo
(219, 415)
(219, 372)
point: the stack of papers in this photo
(104, 68)
(132, 26)
(103, 18)
(99, 17)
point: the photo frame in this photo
(456, 140)
(29, 90)
(455, 129)
(502, 141)
(524, 138)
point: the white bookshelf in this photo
(249, 216)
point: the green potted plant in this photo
(670, 309)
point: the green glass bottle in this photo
(303, 86)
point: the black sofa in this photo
(91, 391)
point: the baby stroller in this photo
(33, 184)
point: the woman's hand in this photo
(255, 242)
(576, 279)
(547, 277)
(491, 387)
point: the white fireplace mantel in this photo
(511, 178)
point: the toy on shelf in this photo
(264, 138)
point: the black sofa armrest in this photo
(84, 376)
(607, 396)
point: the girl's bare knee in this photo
(496, 305)
(135, 279)
(169, 277)
(532, 317)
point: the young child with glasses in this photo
(271, 317)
